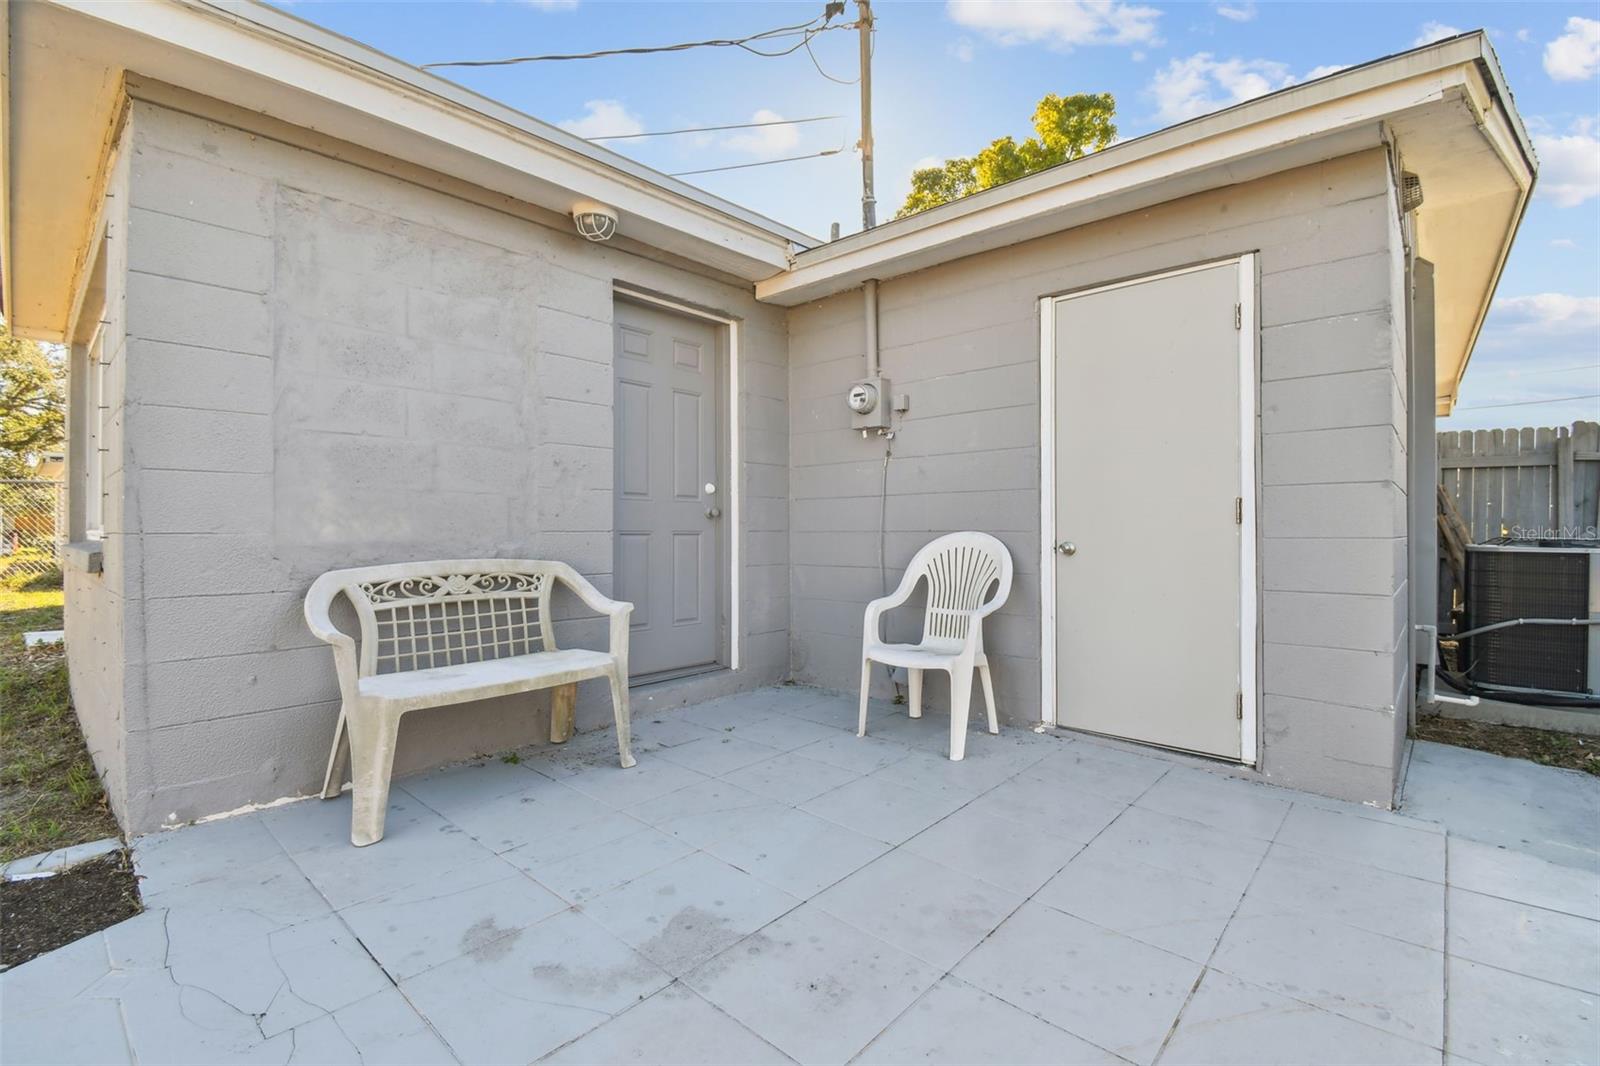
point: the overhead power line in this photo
(761, 163)
(1530, 403)
(1558, 370)
(713, 129)
(804, 30)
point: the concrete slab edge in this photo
(49, 863)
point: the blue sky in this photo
(950, 77)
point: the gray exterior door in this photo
(665, 551)
(1148, 478)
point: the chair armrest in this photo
(871, 624)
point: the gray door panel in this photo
(665, 544)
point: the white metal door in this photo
(1151, 528)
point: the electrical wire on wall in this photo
(883, 538)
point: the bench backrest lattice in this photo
(449, 619)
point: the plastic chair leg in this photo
(866, 685)
(960, 703)
(988, 697)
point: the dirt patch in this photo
(50, 796)
(1543, 746)
(45, 913)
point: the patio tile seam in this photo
(678, 983)
(1205, 967)
(922, 792)
(946, 972)
(1297, 849)
(1526, 903)
(1444, 1008)
(1024, 901)
(1451, 956)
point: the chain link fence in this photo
(33, 525)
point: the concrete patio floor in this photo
(766, 887)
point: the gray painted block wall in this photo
(332, 366)
(962, 339)
(98, 604)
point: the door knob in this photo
(1066, 547)
(713, 512)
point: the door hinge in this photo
(1238, 707)
(1238, 510)
(1238, 316)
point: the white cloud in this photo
(1548, 312)
(764, 142)
(603, 118)
(1433, 31)
(1058, 23)
(1200, 84)
(1238, 12)
(1569, 166)
(1323, 71)
(1575, 55)
(962, 50)
(552, 5)
(1563, 242)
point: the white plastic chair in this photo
(960, 569)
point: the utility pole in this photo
(869, 202)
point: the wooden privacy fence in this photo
(1524, 483)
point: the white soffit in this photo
(65, 64)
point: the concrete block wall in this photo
(97, 604)
(330, 365)
(962, 339)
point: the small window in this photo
(95, 452)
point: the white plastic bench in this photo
(446, 632)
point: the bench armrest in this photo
(617, 610)
(318, 602)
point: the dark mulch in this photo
(44, 913)
(1543, 746)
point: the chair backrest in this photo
(416, 616)
(960, 569)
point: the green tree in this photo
(1067, 128)
(32, 403)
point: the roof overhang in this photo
(62, 71)
(1444, 107)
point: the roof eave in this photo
(1335, 112)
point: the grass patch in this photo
(50, 796)
(1543, 746)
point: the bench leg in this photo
(338, 760)
(619, 707)
(563, 712)
(372, 742)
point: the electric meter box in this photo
(868, 400)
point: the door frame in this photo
(728, 596)
(1249, 439)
